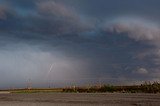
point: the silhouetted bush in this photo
(147, 87)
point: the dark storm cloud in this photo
(140, 30)
(48, 18)
(40, 35)
(61, 20)
(84, 39)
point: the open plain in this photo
(79, 99)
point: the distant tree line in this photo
(146, 87)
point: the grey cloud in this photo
(137, 29)
(63, 20)
(141, 71)
(48, 19)
(56, 9)
(74, 30)
(143, 31)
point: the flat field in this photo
(79, 99)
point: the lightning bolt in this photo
(50, 68)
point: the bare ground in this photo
(71, 99)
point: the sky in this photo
(62, 43)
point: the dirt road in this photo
(64, 99)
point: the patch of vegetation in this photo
(147, 87)
(35, 90)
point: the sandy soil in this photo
(64, 99)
